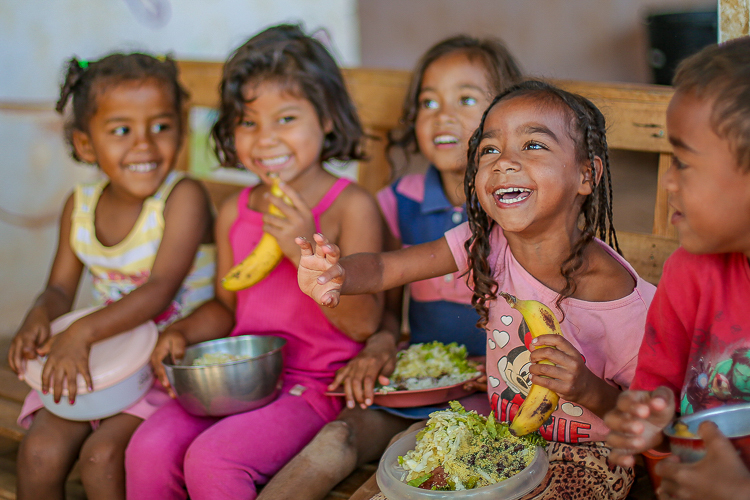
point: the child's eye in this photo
(468, 101)
(489, 150)
(247, 123)
(533, 145)
(287, 119)
(677, 163)
(428, 104)
(159, 127)
(120, 131)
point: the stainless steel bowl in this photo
(233, 387)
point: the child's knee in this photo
(100, 455)
(337, 433)
(38, 453)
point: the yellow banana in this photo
(264, 257)
(540, 402)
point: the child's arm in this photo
(212, 320)
(56, 299)
(636, 423)
(187, 223)
(720, 475)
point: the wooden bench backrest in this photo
(636, 116)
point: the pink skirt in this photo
(154, 399)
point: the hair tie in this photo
(161, 58)
(83, 63)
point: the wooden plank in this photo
(646, 253)
(662, 211)
(9, 411)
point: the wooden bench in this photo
(636, 117)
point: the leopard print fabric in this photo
(578, 472)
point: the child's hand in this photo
(376, 361)
(479, 384)
(636, 423)
(171, 343)
(570, 377)
(319, 274)
(297, 221)
(33, 333)
(67, 356)
(719, 475)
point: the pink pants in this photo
(173, 454)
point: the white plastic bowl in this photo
(390, 474)
(119, 367)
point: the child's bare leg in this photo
(355, 438)
(103, 457)
(47, 454)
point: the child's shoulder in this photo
(605, 277)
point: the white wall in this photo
(37, 36)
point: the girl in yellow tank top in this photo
(144, 232)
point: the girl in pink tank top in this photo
(284, 111)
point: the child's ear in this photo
(327, 126)
(84, 148)
(588, 181)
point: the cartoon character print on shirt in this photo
(514, 371)
(717, 378)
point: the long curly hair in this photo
(588, 130)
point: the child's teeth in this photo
(271, 162)
(445, 139)
(519, 191)
(142, 167)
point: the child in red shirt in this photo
(696, 350)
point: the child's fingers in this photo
(622, 458)
(306, 248)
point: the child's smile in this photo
(279, 133)
(527, 168)
(133, 136)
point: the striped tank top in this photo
(120, 269)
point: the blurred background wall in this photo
(602, 40)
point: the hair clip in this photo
(83, 64)
(161, 58)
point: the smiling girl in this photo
(140, 233)
(284, 111)
(537, 191)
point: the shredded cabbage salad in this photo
(428, 365)
(462, 450)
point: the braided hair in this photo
(85, 80)
(588, 131)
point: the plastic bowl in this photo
(390, 478)
(119, 367)
(733, 421)
(233, 387)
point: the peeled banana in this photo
(540, 402)
(264, 257)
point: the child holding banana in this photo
(284, 110)
(144, 233)
(451, 86)
(696, 350)
(538, 166)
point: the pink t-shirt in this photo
(315, 348)
(607, 334)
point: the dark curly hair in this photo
(85, 80)
(502, 71)
(285, 55)
(588, 130)
(722, 72)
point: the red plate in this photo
(421, 397)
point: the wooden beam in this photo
(734, 19)
(662, 210)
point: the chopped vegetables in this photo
(428, 365)
(217, 358)
(461, 450)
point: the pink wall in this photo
(596, 40)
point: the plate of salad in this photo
(427, 374)
(461, 454)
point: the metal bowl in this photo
(733, 421)
(232, 387)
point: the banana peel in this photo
(265, 256)
(540, 402)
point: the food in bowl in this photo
(217, 358)
(462, 450)
(429, 365)
(733, 421)
(217, 390)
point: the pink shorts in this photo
(154, 399)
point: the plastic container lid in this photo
(111, 360)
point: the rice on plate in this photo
(430, 365)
